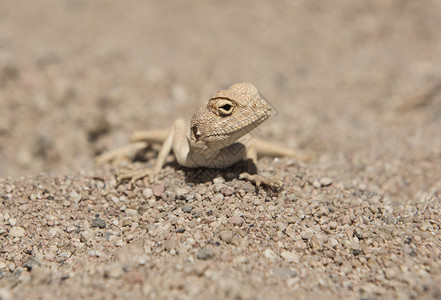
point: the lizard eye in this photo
(225, 107)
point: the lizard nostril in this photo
(195, 132)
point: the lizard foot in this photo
(124, 153)
(275, 183)
(134, 175)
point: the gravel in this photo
(370, 247)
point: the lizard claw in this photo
(134, 175)
(275, 182)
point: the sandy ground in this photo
(356, 83)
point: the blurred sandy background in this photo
(355, 82)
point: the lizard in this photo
(218, 137)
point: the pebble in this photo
(5, 294)
(218, 180)
(75, 197)
(65, 254)
(180, 192)
(315, 243)
(281, 226)
(98, 222)
(12, 221)
(170, 196)
(268, 253)
(299, 245)
(333, 224)
(291, 231)
(205, 254)
(284, 273)
(70, 228)
(322, 211)
(147, 193)
(307, 233)
(187, 209)
(202, 189)
(316, 184)
(11, 267)
(217, 198)
(158, 189)
(290, 256)
(87, 235)
(227, 191)
(226, 236)
(114, 270)
(17, 231)
(325, 181)
(390, 273)
(131, 212)
(171, 244)
(55, 232)
(30, 263)
(190, 197)
(236, 220)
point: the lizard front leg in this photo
(275, 182)
(165, 150)
(259, 148)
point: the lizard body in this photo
(218, 137)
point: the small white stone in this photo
(290, 256)
(55, 232)
(131, 212)
(147, 193)
(12, 221)
(114, 271)
(87, 234)
(325, 181)
(268, 253)
(316, 184)
(217, 198)
(5, 294)
(17, 231)
(307, 233)
(70, 228)
(218, 180)
(75, 197)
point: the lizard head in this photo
(228, 115)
